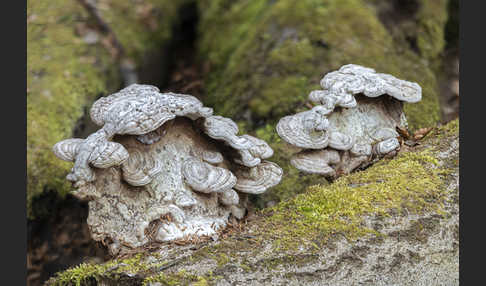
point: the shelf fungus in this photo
(163, 167)
(353, 123)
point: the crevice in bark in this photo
(185, 71)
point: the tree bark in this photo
(407, 248)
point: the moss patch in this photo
(85, 272)
(411, 182)
(114, 270)
(432, 18)
(63, 76)
(451, 128)
(142, 28)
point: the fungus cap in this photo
(316, 161)
(305, 129)
(386, 146)
(340, 141)
(67, 149)
(140, 169)
(206, 178)
(258, 179)
(353, 79)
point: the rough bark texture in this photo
(407, 233)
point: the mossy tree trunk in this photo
(395, 223)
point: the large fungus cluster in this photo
(353, 123)
(163, 167)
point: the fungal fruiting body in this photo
(353, 124)
(163, 167)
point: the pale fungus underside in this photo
(163, 167)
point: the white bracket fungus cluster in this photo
(353, 124)
(163, 167)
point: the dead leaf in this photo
(403, 132)
(421, 133)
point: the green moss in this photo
(86, 272)
(222, 259)
(179, 278)
(78, 275)
(432, 17)
(245, 267)
(451, 128)
(143, 28)
(410, 182)
(81, 274)
(282, 49)
(65, 75)
(113, 270)
(266, 103)
(232, 22)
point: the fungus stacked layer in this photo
(354, 122)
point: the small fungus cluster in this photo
(353, 123)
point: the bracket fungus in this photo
(353, 124)
(163, 167)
